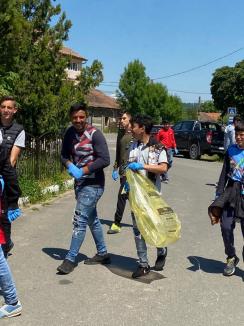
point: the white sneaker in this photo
(10, 310)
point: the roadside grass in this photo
(212, 158)
(33, 189)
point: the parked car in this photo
(155, 130)
(195, 138)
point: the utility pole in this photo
(198, 106)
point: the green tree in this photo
(227, 88)
(132, 86)
(172, 110)
(208, 106)
(90, 77)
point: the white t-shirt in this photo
(19, 141)
(151, 155)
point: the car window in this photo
(212, 126)
(197, 126)
(177, 126)
(187, 125)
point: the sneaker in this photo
(9, 311)
(160, 262)
(66, 267)
(230, 266)
(7, 248)
(243, 253)
(114, 228)
(98, 259)
(141, 271)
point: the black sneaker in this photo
(66, 267)
(7, 248)
(141, 271)
(230, 266)
(160, 262)
(98, 259)
(243, 253)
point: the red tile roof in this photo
(70, 52)
(98, 99)
(209, 116)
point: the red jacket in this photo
(167, 138)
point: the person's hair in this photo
(236, 119)
(239, 126)
(128, 114)
(165, 122)
(77, 107)
(143, 121)
(8, 98)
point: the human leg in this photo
(121, 202)
(227, 224)
(161, 258)
(6, 281)
(141, 248)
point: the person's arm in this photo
(66, 149)
(223, 175)
(101, 153)
(15, 152)
(156, 169)
(17, 147)
(173, 139)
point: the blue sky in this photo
(167, 36)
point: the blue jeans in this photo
(141, 246)
(6, 281)
(86, 214)
(170, 162)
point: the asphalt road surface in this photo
(190, 291)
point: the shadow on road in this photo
(109, 223)
(60, 253)
(211, 184)
(210, 266)
(124, 266)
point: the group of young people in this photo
(85, 154)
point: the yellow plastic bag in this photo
(156, 221)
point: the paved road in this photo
(190, 291)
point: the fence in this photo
(41, 157)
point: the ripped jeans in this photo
(86, 214)
(141, 246)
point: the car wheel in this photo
(194, 152)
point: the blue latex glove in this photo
(74, 171)
(135, 166)
(13, 214)
(115, 175)
(176, 151)
(2, 184)
(126, 187)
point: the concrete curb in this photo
(23, 201)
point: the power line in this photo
(184, 71)
(200, 66)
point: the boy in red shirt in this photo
(166, 137)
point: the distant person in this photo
(228, 206)
(124, 140)
(149, 157)
(85, 154)
(229, 133)
(12, 137)
(167, 138)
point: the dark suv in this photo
(195, 138)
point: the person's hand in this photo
(2, 184)
(176, 151)
(135, 166)
(126, 187)
(75, 172)
(13, 214)
(115, 175)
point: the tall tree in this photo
(208, 106)
(227, 88)
(173, 108)
(132, 85)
